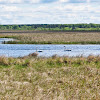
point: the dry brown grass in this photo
(57, 78)
(55, 37)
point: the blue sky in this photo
(49, 11)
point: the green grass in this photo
(62, 78)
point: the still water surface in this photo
(5, 39)
(20, 50)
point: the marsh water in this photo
(5, 40)
(20, 50)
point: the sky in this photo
(49, 11)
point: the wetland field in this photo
(54, 78)
(53, 37)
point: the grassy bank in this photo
(54, 38)
(34, 42)
(59, 78)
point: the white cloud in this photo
(88, 1)
(46, 1)
(14, 1)
(11, 1)
(63, 0)
(53, 13)
(34, 1)
(19, 1)
(2, 0)
(6, 8)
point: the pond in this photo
(20, 50)
(5, 40)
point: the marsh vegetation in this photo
(54, 38)
(63, 78)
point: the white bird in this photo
(38, 50)
(66, 49)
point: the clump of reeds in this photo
(91, 58)
(4, 61)
(35, 54)
(22, 62)
(55, 56)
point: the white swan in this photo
(38, 50)
(66, 49)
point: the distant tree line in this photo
(52, 27)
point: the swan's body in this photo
(66, 49)
(39, 51)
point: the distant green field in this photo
(53, 27)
